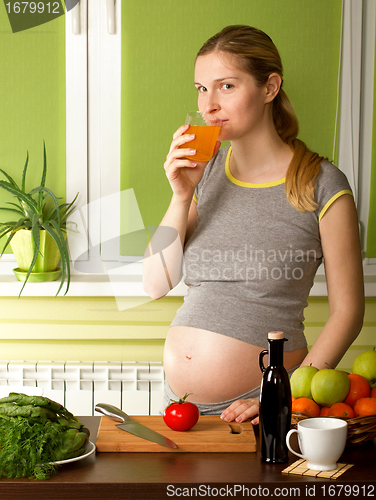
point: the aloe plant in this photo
(34, 215)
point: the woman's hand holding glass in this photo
(184, 174)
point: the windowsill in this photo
(81, 284)
(129, 285)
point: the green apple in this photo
(365, 365)
(301, 382)
(330, 386)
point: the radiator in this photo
(135, 387)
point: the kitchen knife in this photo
(130, 425)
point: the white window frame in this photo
(93, 106)
(99, 175)
(93, 123)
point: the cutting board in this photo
(210, 434)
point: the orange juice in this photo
(203, 143)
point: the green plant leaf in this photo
(19, 224)
(9, 178)
(70, 208)
(44, 174)
(36, 239)
(17, 210)
(5, 228)
(48, 191)
(23, 183)
(65, 210)
(43, 180)
(64, 254)
(35, 232)
(54, 231)
(26, 198)
(10, 223)
(19, 207)
(8, 240)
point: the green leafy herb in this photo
(33, 436)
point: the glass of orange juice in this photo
(206, 133)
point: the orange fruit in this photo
(359, 388)
(373, 392)
(324, 411)
(306, 405)
(365, 406)
(341, 410)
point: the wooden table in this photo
(134, 476)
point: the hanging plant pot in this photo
(46, 266)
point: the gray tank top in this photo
(250, 263)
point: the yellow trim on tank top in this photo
(248, 184)
(332, 200)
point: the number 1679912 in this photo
(33, 7)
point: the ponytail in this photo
(305, 165)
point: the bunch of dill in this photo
(28, 447)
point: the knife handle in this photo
(112, 412)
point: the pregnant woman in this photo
(254, 224)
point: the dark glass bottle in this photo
(275, 403)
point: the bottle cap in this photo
(276, 335)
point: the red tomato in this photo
(181, 415)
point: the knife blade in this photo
(133, 427)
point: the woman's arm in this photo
(339, 233)
(163, 258)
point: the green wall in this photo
(159, 44)
(93, 329)
(32, 104)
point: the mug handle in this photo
(289, 434)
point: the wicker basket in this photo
(360, 429)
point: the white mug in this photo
(321, 440)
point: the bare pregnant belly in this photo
(213, 367)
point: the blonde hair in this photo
(258, 56)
